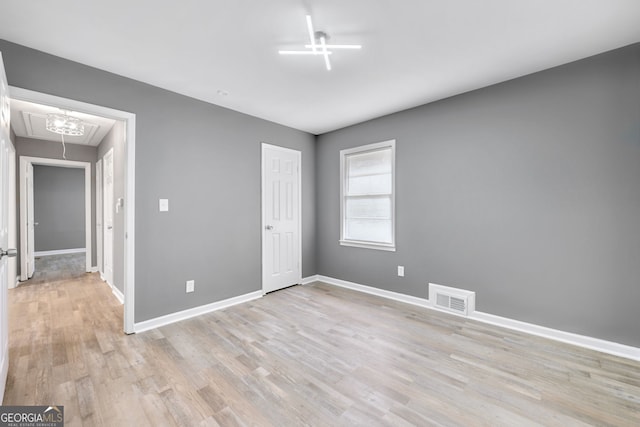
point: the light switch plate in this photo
(191, 285)
(163, 205)
(401, 271)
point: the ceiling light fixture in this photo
(319, 45)
(64, 124)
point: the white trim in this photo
(105, 208)
(422, 302)
(129, 224)
(298, 154)
(597, 344)
(12, 264)
(129, 178)
(27, 161)
(310, 279)
(343, 183)
(368, 245)
(118, 294)
(591, 343)
(4, 369)
(115, 291)
(94, 269)
(99, 215)
(62, 252)
(196, 311)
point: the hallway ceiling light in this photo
(318, 45)
(64, 124)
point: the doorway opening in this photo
(29, 221)
(126, 203)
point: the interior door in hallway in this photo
(281, 232)
(99, 215)
(107, 217)
(5, 252)
(30, 259)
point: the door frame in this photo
(27, 162)
(263, 222)
(129, 180)
(108, 206)
(99, 217)
(13, 224)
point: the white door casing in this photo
(4, 226)
(281, 222)
(26, 210)
(99, 215)
(13, 223)
(31, 225)
(107, 216)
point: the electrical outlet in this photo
(401, 271)
(191, 285)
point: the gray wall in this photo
(206, 160)
(52, 150)
(525, 192)
(58, 208)
(116, 139)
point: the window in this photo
(367, 204)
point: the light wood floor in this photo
(314, 355)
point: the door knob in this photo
(268, 227)
(8, 253)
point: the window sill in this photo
(368, 245)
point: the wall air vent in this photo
(454, 300)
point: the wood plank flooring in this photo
(308, 355)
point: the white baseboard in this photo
(4, 372)
(310, 279)
(193, 312)
(118, 293)
(115, 291)
(422, 302)
(94, 269)
(597, 344)
(60, 252)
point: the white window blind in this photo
(367, 204)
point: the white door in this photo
(4, 227)
(31, 231)
(280, 218)
(107, 217)
(27, 256)
(13, 228)
(99, 214)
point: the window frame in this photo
(343, 195)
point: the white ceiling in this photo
(414, 51)
(29, 120)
